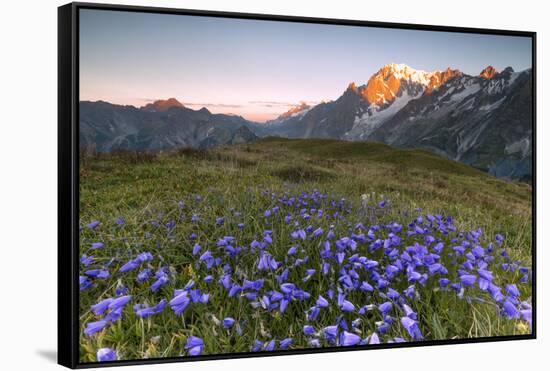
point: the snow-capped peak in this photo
(402, 71)
(298, 109)
(386, 84)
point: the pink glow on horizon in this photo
(254, 110)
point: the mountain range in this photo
(484, 121)
(162, 125)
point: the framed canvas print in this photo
(238, 185)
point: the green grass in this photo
(142, 188)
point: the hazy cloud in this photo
(271, 104)
(220, 105)
(193, 104)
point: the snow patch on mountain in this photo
(300, 114)
(375, 116)
(469, 89)
(296, 112)
(403, 72)
(497, 86)
(466, 105)
(465, 142)
(492, 106)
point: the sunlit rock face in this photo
(162, 105)
(488, 73)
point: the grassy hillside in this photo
(167, 203)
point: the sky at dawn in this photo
(258, 69)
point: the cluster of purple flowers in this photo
(357, 280)
(271, 345)
(144, 311)
(184, 297)
(113, 307)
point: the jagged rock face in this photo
(295, 110)
(477, 120)
(390, 81)
(385, 85)
(108, 127)
(438, 78)
(488, 73)
(325, 120)
(483, 123)
(381, 88)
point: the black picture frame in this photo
(68, 179)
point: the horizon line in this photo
(288, 105)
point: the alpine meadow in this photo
(257, 211)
